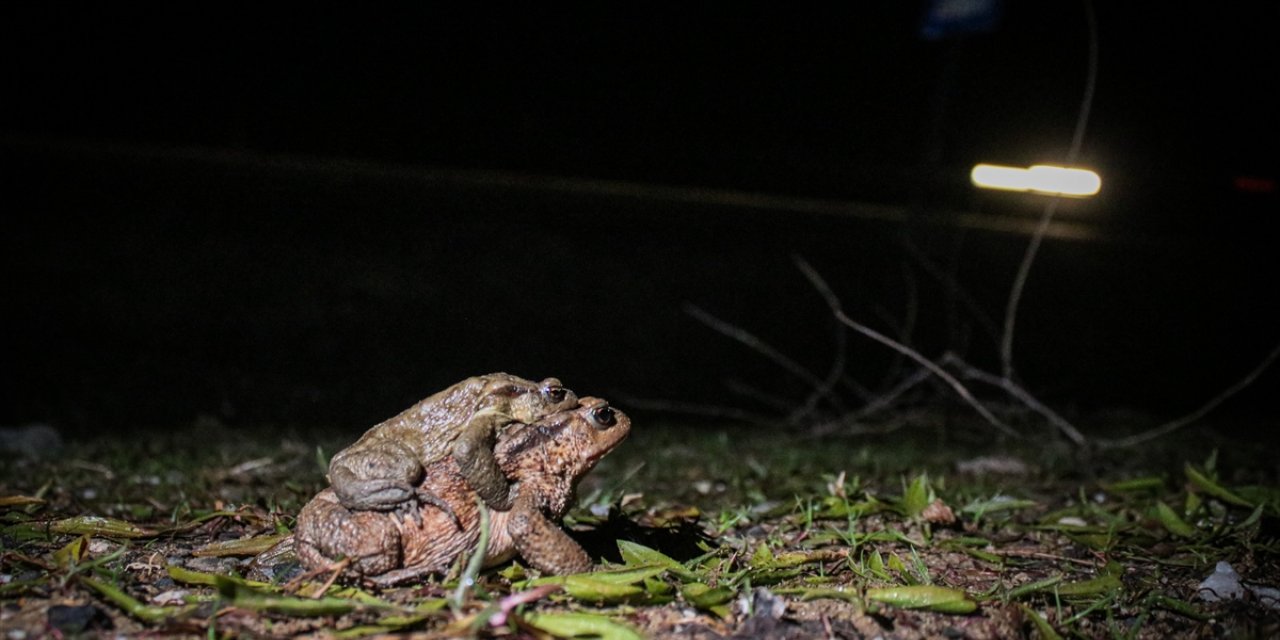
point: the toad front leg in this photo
(473, 452)
(542, 543)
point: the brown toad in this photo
(544, 461)
(383, 470)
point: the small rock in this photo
(98, 546)
(77, 619)
(1222, 584)
(995, 465)
(172, 596)
(938, 513)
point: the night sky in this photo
(321, 216)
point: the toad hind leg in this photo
(328, 532)
(542, 543)
(473, 450)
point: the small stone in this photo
(1222, 584)
(77, 619)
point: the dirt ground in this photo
(700, 533)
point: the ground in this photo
(935, 528)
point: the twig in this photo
(333, 577)
(953, 287)
(876, 404)
(1174, 425)
(1040, 555)
(760, 396)
(905, 328)
(334, 569)
(1077, 140)
(955, 385)
(761, 347)
(837, 366)
(1022, 395)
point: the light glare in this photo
(1040, 178)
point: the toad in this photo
(383, 470)
(544, 461)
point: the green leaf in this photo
(896, 564)
(71, 554)
(875, 564)
(1093, 587)
(819, 593)
(703, 596)
(578, 625)
(1042, 626)
(19, 501)
(1147, 483)
(1174, 524)
(993, 505)
(763, 557)
(657, 587)
(130, 605)
(241, 595)
(917, 497)
(623, 575)
(797, 558)
(930, 597)
(1034, 587)
(587, 587)
(637, 554)
(1253, 519)
(188, 576)
(1213, 488)
(1179, 607)
(99, 526)
(244, 547)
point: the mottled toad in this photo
(543, 460)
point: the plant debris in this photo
(792, 538)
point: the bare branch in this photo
(1077, 140)
(1022, 395)
(875, 405)
(763, 348)
(955, 385)
(954, 288)
(759, 396)
(1174, 425)
(834, 374)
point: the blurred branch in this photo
(1022, 395)
(874, 405)
(1174, 425)
(1073, 153)
(766, 350)
(955, 385)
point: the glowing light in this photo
(1039, 178)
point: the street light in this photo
(1040, 178)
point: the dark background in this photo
(319, 216)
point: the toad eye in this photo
(603, 416)
(554, 393)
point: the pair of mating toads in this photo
(403, 501)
